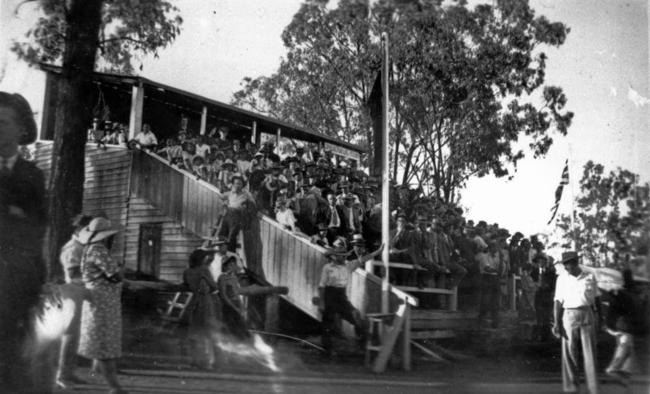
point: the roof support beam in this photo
(137, 104)
(204, 118)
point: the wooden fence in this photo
(284, 259)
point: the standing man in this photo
(240, 203)
(577, 307)
(333, 298)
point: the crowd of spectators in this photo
(322, 196)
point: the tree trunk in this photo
(73, 115)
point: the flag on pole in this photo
(564, 180)
(375, 105)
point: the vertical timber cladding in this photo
(106, 184)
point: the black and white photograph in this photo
(324, 196)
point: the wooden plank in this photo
(388, 341)
(413, 289)
(406, 339)
(433, 334)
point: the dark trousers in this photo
(19, 291)
(489, 298)
(232, 223)
(338, 305)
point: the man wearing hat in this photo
(350, 222)
(334, 280)
(576, 316)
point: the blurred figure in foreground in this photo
(22, 227)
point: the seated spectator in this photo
(285, 217)
(225, 175)
(116, 136)
(223, 143)
(172, 151)
(202, 148)
(320, 238)
(146, 139)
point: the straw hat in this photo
(98, 229)
(339, 248)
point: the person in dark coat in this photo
(22, 227)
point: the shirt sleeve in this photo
(559, 289)
(323, 276)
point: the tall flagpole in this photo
(385, 194)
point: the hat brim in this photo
(570, 259)
(335, 253)
(87, 237)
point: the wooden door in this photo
(149, 246)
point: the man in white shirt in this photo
(334, 301)
(575, 321)
(146, 138)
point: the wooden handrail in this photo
(178, 194)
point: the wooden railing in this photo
(195, 204)
(285, 259)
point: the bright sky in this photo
(603, 68)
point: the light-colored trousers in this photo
(70, 340)
(580, 333)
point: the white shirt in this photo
(202, 150)
(146, 138)
(217, 262)
(335, 220)
(576, 292)
(335, 275)
(286, 218)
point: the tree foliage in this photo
(128, 27)
(612, 215)
(466, 83)
(72, 33)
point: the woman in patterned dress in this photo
(101, 318)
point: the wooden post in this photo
(389, 340)
(254, 133)
(385, 185)
(271, 320)
(453, 299)
(137, 105)
(406, 338)
(204, 119)
(277, 140)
